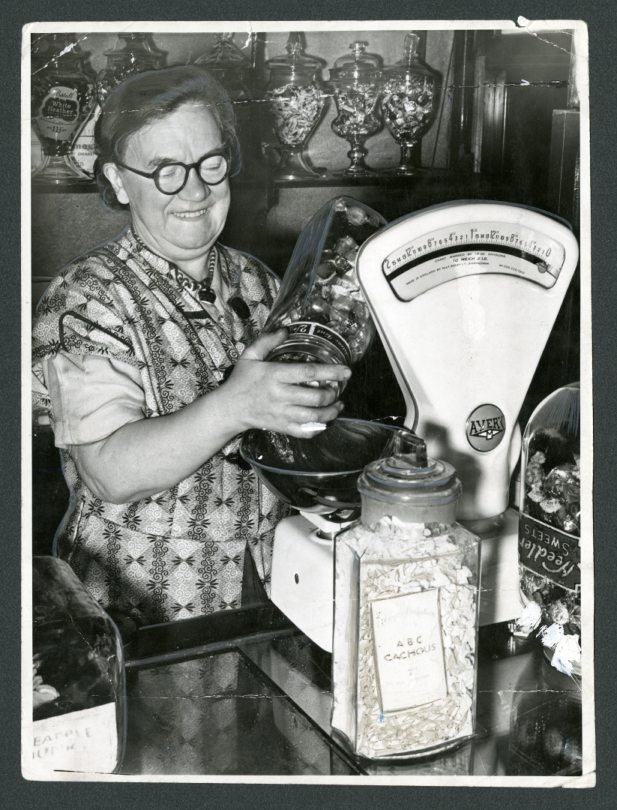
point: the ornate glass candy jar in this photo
(233, 69)
(230, 66)
(133, 53)
(409, 101)
(320, 301)
(549, 528)
(356, 84)
(62, 97)
(406, 614)
(296, 102)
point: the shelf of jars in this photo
(362, 95)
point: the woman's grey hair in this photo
(150, 96)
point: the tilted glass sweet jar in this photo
(297, 103)
(356, 84)
(320, 301)
(406, 614)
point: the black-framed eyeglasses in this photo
(170, 178)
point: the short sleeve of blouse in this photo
(81, 314)
(91, 397)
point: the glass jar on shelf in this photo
(233, 69)
(409, 101)
(62, 98)
(296, 103)
(133, 53)
(549, 528)
(406, 614)
(230, 66)
(356, 86)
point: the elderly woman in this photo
(148, 360)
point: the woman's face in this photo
(180, 227)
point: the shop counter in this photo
(244, 693)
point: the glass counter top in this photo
(259, 703)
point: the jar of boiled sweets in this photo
(406, 614)
(549, 528)
(320, 302)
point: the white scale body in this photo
(464, 297)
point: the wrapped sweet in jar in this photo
(406, 614)
(549, 528)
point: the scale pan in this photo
(319, 474)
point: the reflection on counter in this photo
(263, 706)
(220, 715)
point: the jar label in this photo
(409, 650)
(84, 741)
(320, 331)
(59, 113)
(549, 552)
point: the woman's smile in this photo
(200, 212)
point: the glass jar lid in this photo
(410, 64)
(401, 480)
(224, 54)
(136, 50)
(357, 65)
(296, 63)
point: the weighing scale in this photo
(464, 296)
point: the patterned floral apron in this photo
(178, 553)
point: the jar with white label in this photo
(62, 98)
(406, 614)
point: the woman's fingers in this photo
(310, 373)
(282, 396)
(303, 423)
(300, 415)
(310, 396)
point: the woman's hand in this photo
(281, 396)
(151, 455)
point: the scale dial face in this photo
(458, 250)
